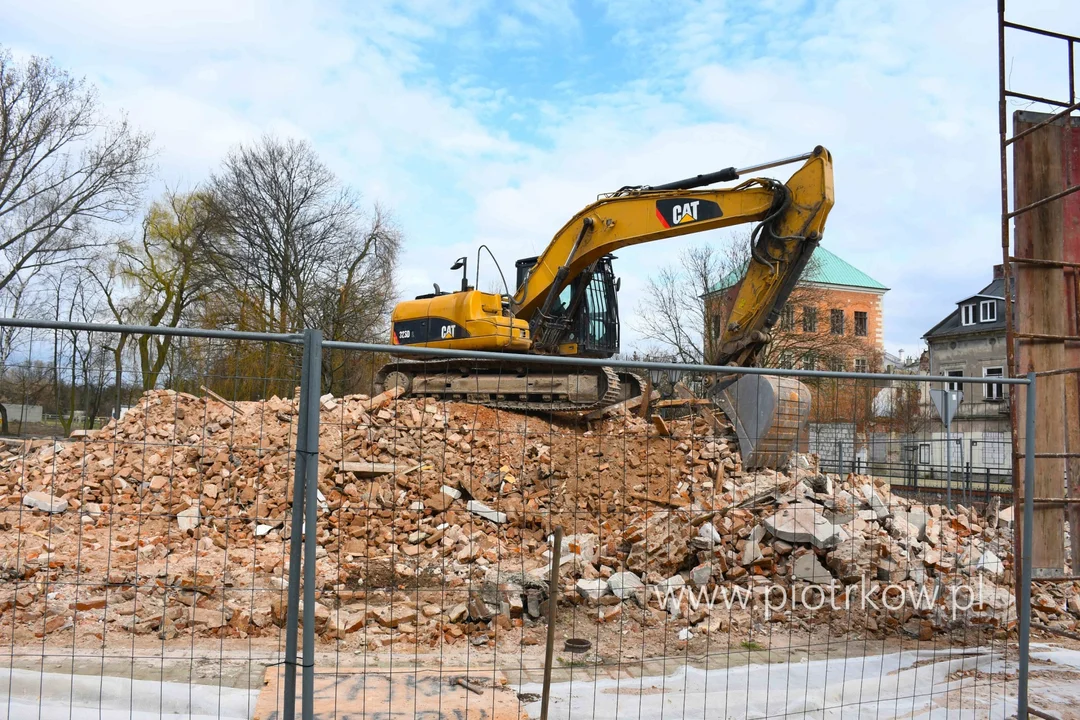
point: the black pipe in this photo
(725, 175)
(560, 277)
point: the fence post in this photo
(967, 484)
(300, 474)
(1025, 548)
(313, 375)
(553, 604)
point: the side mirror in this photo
(618, 284)
(438, 290)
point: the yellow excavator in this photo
(565, 304)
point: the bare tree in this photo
(685, 306)
(69, 352)
(292, 229)
(62, 166)
(298, 250)
(353, 304)
(676, 313)
(16, 300)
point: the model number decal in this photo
(427, 330)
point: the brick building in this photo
(833, 320)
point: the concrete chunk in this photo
(624, 584)
(708, 532)
(751, 553)
(701, 575)
(478, 508)
(990, 563)
(879, 506)
(805, 523)
(188, 519)
(45, 502)
(592, 589)
(674, 584)
(806, 566)
(586, 545)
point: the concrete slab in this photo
(59, 696)
(805, 523)
(922, 685)
(360, 694)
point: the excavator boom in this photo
(791, 219)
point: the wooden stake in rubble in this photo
(232, 406)
(553, 602)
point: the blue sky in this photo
(484, 121)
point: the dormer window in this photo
(967, 314)
(987, 311)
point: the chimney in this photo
(999, 272)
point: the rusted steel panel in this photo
(1041, 166)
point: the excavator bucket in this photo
(769, 414)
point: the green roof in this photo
(825, 268)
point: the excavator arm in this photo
(791, 218)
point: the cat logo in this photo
(679, 211)
(447, 332)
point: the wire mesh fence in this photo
(145, 531)
(698, 561)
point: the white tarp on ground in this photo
(26, 694)
(918, 684)
(926, 684)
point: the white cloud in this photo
(902, 92)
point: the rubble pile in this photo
(435, 521)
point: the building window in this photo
(716, 325)
(955, 385)
(861, 365)
(787, 360)
(836, 364)
(809, 361)
(924, 453)
(988, 311)
(861, 324)
(836, 322)
(993, 391)
(967, 314)
(787, 318)
(809, 319)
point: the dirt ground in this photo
(616, 649)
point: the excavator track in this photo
(508, 386)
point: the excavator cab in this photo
(584, 319)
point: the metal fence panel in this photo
(144, 555)
(689, 585)
(684, 582)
